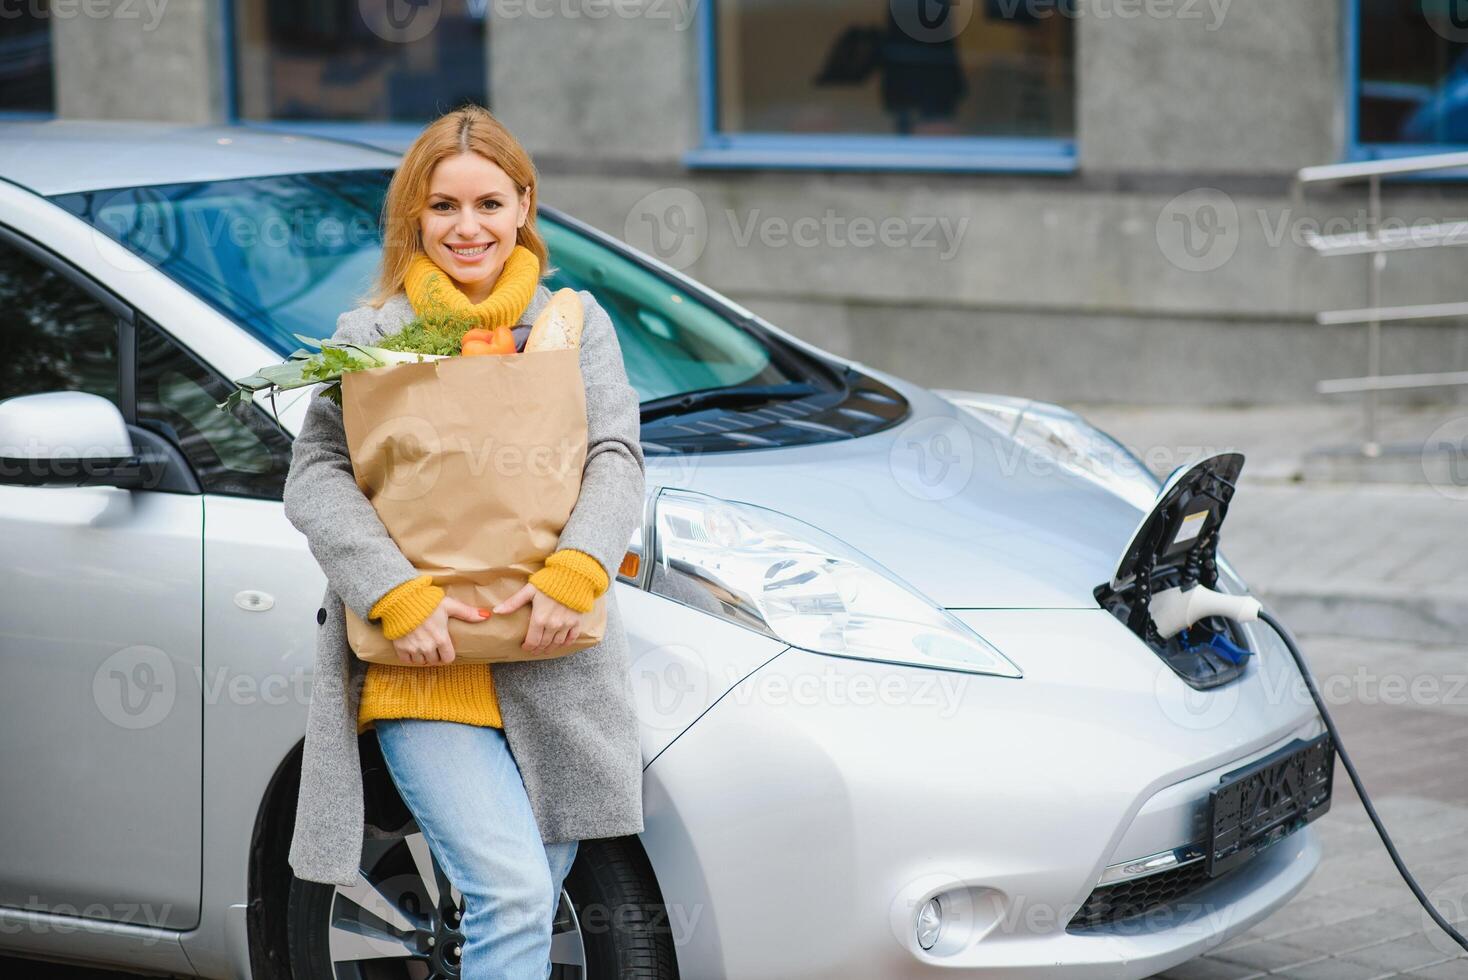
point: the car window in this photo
(279, 255)
(240, 453)
(54, 336)
(671, 341)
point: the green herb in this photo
(438, 332)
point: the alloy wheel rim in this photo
(401, 918)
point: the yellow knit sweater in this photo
(462, 692)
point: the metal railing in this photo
(1377, 243)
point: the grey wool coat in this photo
(570, 721)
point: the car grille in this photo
(1110, 904)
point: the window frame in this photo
(122, 313)
(36, 115)
(1355, 150)
(968, 154)
(143, 323)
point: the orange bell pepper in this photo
(478, 342)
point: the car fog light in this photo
(929, 923)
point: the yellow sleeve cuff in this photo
(572, 578)
(404, 607)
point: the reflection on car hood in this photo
(961, 512)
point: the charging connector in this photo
(1174, 610)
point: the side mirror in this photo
(71, 438)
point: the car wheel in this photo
(400, 920)
(620, 917)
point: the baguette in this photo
(559, 325)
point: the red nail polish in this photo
(486, 613)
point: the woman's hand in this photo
(551, 623)
(429, 644)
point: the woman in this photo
(506, 769)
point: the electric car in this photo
(904, 712)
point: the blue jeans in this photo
(465, 791)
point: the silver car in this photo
(898, 720)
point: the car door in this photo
(100, 637)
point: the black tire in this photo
(611, 918)
(622, 920)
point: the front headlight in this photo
(791, 581)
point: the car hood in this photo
(960, 511)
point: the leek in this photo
(429, 336)
(307, 368)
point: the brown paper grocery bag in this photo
(473, 464)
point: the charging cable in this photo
(1174, 610)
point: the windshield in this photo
(287, 254)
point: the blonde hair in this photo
(468, 129)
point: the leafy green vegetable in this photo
(438, 332)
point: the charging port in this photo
(1176, 546)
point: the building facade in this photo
(1076, 200)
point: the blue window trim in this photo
(1356, 150)
(855, 152)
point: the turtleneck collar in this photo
(429, 287)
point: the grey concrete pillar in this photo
(601, 79)
(139, 59)
(1209, 86)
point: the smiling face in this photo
(469, 222)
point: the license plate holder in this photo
(1259, 804)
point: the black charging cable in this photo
(1340, 750)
